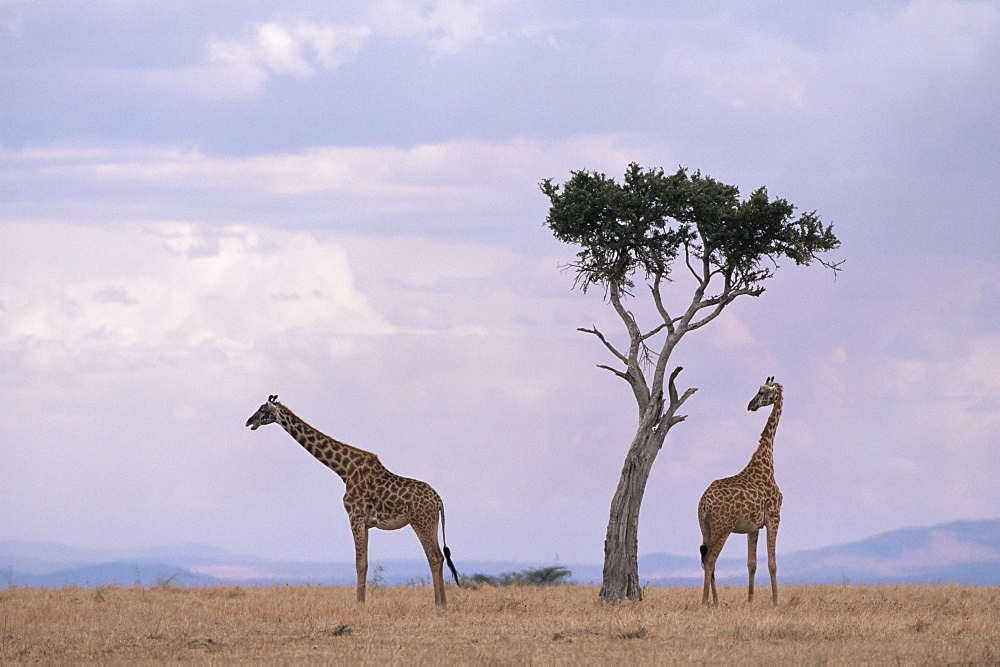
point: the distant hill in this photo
(966, 552)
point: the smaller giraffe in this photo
(374, 497)
(745, 503)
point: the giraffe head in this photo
(266, 414)
(766, 395)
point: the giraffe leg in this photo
(712, 555)
(751, 560)
(709, 580)
(772, 563)
(427, 534)
(360, 531)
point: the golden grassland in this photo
(511, 625)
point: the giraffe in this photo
(375, 497)
(745, 503)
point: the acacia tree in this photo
(637, 231)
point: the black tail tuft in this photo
(451, 566)
(704, 552)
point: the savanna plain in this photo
(561, 624)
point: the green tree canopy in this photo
(643, 224)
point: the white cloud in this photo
(280, 51)
(288, 49)
(325, 168)
(446, 184)
(873, 57)
(448, 27)
(165, 289)
(238, 69)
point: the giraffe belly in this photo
(745, 524)
(388, 523)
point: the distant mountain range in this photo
(966, 552)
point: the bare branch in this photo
(687, 260)
(683, 322)
(833, 266)
(668, 322)
(670, 418)
(616, 301)
(687, 394)
(617, 372)
(656, 330)
(634, 334)
(636, 378)
(677, 419)
(606, 343)
(721, 302)
(670, 385)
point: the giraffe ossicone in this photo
(745, 503)
(374, 497)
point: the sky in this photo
(202, 204)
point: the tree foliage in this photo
(643, 224)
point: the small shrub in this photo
(638, 633)
(543, 576)
(340, 631)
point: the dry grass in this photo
(557, 625)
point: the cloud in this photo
(242, 68)
(448, 27)
(239, 69)
(458, 184)
(749, 69)
(165, 289)
(288, 49)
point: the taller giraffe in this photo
(745, 503)
(375, 497)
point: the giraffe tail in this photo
(447, 551)
(704, 552)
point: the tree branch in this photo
(606, 343)
(687, 260)
(670, 418)
(671, 388)
(721, 302)
(634, 335)
(833, 266)
(640, 389)
(656, 330)
(668, 322)
(617, 372)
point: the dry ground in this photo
(562, 624)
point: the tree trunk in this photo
(621, 546)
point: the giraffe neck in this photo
(338, 456)
(763, 458)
